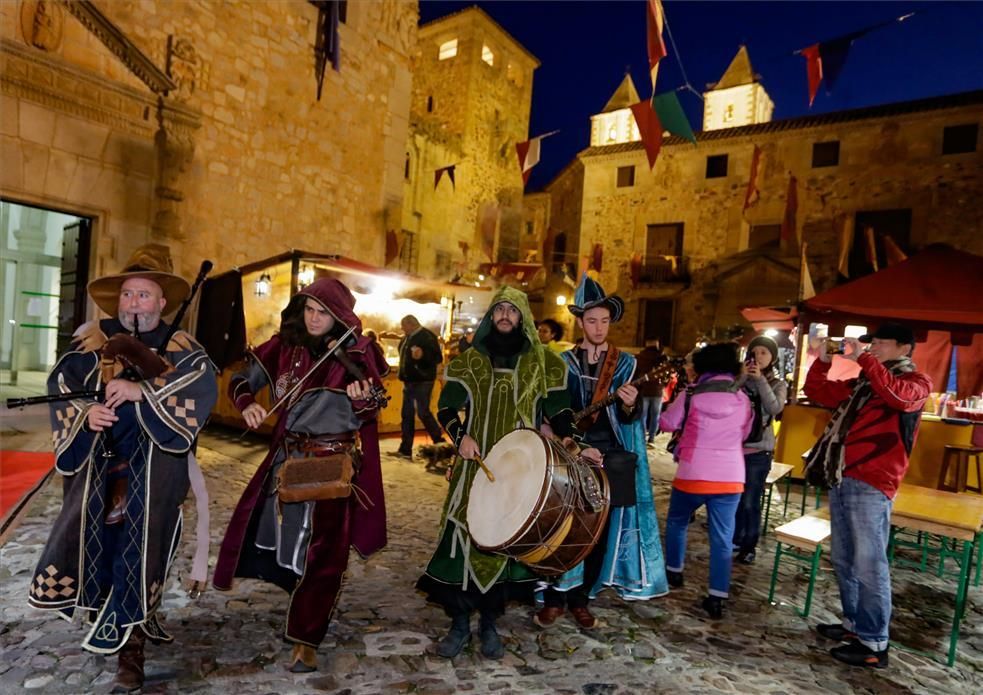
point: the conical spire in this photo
(738, 72)
(623, 97)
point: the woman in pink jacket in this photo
(715, 417)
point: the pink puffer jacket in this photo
(710, 448)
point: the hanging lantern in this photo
(305, 276)
(263, 285)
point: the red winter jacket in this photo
(875, 452)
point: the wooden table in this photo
(950, 515)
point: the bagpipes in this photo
(136, 361)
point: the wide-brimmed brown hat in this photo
(152, 262)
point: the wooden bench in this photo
(807, 533)
(777, 472)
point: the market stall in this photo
(936, 292)
(382, 298)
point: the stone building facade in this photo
(472, 93)
(196, 124)
(911, 171)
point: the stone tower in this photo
(738, 98)
(472, 94)
(615, 124)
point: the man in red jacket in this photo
(862, 456)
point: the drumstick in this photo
(491, 476)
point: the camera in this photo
(834, 346)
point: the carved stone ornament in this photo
(42, 23)
(183, 67)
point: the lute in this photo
(660, 374)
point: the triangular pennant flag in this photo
(392, 246)
(789, 227)
(893, 251)
(833, 55)
(846, 244)
(671, 115)
(597, 257)
(649, 128)
(871, 247)
(529, 152)
(814, 69)
(655, 19)
(806, 288)
(635, 269)
(752, 194)
(440, 172)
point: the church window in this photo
(613, 132)
(487, 55)
(825, 154)
(626, 177)
(959, 139)
(729, 113)
(717, 166)
(447, 50)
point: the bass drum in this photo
(546, 509)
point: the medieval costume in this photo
(506, 381)
(111, 547)
(303, 547)
(629, 559)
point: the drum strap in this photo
(604, 379)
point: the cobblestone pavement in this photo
(383, 633)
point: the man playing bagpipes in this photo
(318, 492)
(139, 392)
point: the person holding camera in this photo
(861, 456)
(767, 391)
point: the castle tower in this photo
(615, 124)
(738, 98)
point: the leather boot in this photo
(303, 659)
(116, 495)
(457, 638)
(491, 643)
(129, 669)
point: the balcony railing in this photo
(656, 269)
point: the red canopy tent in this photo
(938, 292)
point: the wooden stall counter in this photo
(390, 420)
(802, 424)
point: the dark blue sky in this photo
(584, 48)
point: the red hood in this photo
(334, 296)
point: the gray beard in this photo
(147, 322)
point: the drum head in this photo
(498, 511)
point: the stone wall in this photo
(263, 167)
(890, 162)
(472, 114)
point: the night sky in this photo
(585, 48)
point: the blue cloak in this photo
(633, 563)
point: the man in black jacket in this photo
(419, 355)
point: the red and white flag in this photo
(752, 194)
(529, 152)
(655, 20)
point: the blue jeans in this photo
(720, 511)
(747, 526)
(860, 520)
(651, 409)
(416, 400)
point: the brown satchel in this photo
(315, 478)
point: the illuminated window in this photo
(448, 49)
(487, 55)
(613, 132)
(729, 113)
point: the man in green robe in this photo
(508, 379)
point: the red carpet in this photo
(21, 475)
